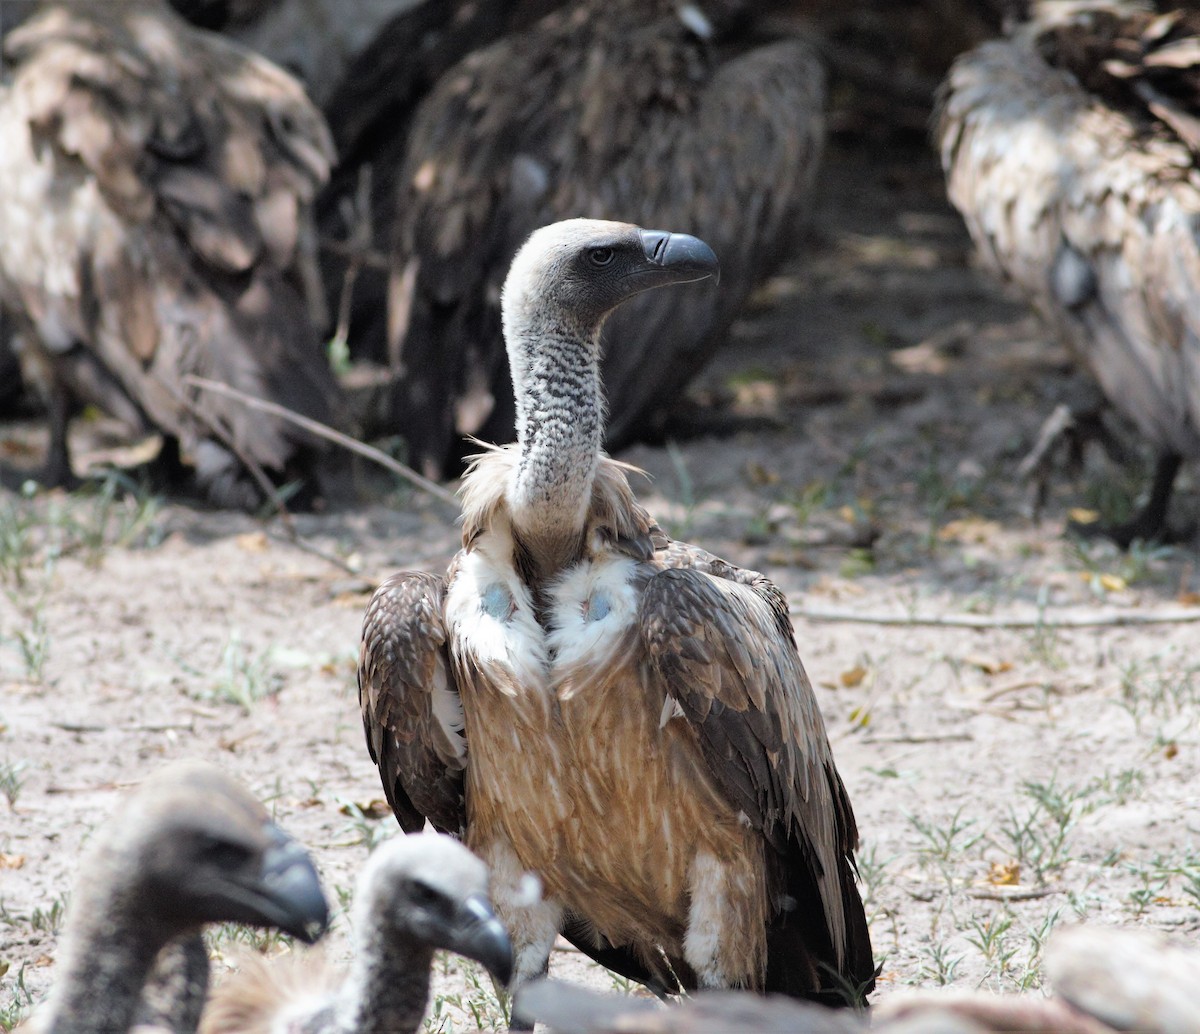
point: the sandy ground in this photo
(881, 394)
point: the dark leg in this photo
(57, 472)
(1150, 524)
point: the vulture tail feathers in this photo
(800, 953)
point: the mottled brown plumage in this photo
(190, 847)
(1071, 151)
(647, 110)
(625, 716)
(155, 187)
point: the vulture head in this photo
(195, 847)
(570, 275)
(427, 888)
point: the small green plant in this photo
(244, 678)
(49, 920)
(683, 527)
(263, 941)
(944, 842)
(939, 966)
(1151, 885)
(12, 780)
(33, 642)
(363, 829)
(480, 1005)
(871, 870)
(19, 1003)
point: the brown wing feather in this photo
(720, 642)
(411, 713)
(609, 110)
(155, 188)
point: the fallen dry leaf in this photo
(760, 475)
(861, 717)
(1004, 874)
(1082, 516)
(11, 861)
(968, 530)
(1171, 750)
(1190, 599)
(1113, 582)
(375, 808)
(853, 676)
(252, 541)
(988, 665)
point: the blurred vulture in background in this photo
(1071, 150)
(155, 191)
(648, 111)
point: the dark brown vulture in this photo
(1071, 150)
(416, 894)
(155, 191)
(190, 847)
(650, 110)
(625, 716)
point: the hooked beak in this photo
(680, 257)
(292, 896)
(477, 934)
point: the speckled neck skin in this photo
(555, 364)
(388, 986)
(105, 963)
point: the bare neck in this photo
(388, 986)
(99, 984)
(560, 424)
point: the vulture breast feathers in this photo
(155, 192)
(623, 716)
(609, 109)
(1070, 149)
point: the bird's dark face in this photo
(582, 269)
(225, 862)
(429, 888)
(465, 925)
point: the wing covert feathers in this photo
(412, 714)
(720, 641)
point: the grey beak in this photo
(684, 257)
(479, 935)
(295, 901)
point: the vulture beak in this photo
(680, 257)
(289, 890)
(477, 934)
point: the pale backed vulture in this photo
(650, 110)
(416, 894)
(155, 191)
(190, 847)
(1070, 149)
(625, 716)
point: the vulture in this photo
(190, 847)
(416, 894)
(155, 191)
(643, 109)
(1072, 150)
(623, 716)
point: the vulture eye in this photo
(423, 895)
(601, 256)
